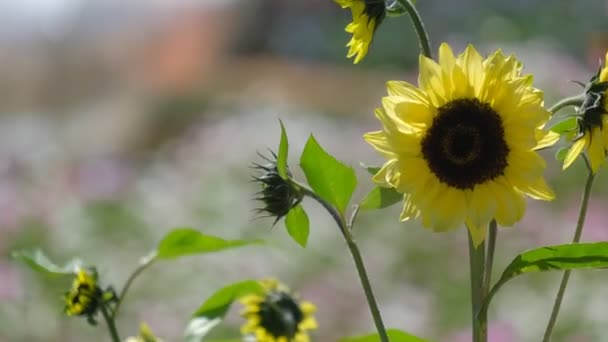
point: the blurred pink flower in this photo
(11, 285)
(596, 222)
(497, 332)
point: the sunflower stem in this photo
(568, 101)
(345, 229)
(477, 262)
(110, 321)
(144, 264)
(487, 277)
(577, 237)
(423, 37)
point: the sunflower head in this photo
(83, 299)
(367, 16)
(277, 316)
(462, 145)
(277, 195)
(592, 133)
(85, 296)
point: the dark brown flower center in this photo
(280, 315)
(465, 144)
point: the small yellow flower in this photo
(462, 145)
(277, 316)
(367, 16)
(84, 297)
(593, 124)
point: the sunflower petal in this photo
(574, 151)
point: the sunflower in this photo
(367, 16)
(461, 146)
(85, 295)
(277, 316)
(593, 124)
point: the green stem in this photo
(110, 321)
(477, 262)
(568, 101)
(577, 237)
(367, 288)
(357, 258)
(423, 37)
(492, 235)
(144, 264)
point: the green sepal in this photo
(569, 124)
(283, 152)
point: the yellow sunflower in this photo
(461, 146)
(593, 125)
(277, 316)
(84, 296)
(367, 16)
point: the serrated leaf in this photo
(394, 335)
(298, 225)
(38, 261)
(185, 241)
(569, 124)
(329, 178)
(560, 155)
(380, 198)
(553, 258)
(212, 311)
(283, 152)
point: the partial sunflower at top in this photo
(462, 145)
(593, 123)
(367, 16)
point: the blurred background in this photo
(121, 120)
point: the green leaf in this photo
(298, 225)
(38, 261)
(380, 198)
(393, 334)
(330, 179)
(553, 258)
(569, 124)
(283, 150)
(560, 155)
(212, 311)
(185, 241)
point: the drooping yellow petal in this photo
(574, 151)
(597, 152)
(545, 139)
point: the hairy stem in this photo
(567, 102)
(577, 237)
(477, 262)
(423, 37)
(144, 264)
(111, 325)
(345, 229)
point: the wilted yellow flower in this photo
(367, 16)
(277, 316)
(593, 124)
(461, 146)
